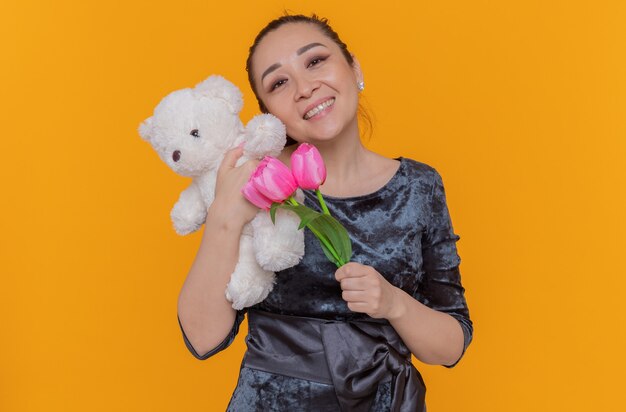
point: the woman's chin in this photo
(323, 133)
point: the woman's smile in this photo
(318, 110)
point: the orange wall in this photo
(519, 104)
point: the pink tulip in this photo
(308, 167)
(255, 197)
(273, 179)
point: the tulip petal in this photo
(308, 167)
(255, 197)
(274, 180)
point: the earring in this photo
(360, 86)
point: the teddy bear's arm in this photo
(265, 136)
(189, 213)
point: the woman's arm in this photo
(205, 315)
(434, 323)
(434, 337)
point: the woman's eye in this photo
(278, 84)
(316, 60)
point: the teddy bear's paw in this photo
(185, 228)
(279, 254)
(185, 224)
(279, 261)
(186, 221)
(249, 285)
(277, 246)
(189, 212)
(266, 136)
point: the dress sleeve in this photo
(239, 316)
(440, 286)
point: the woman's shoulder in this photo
(416, 169)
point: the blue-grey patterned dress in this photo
(404, 231)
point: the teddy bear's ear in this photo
(145, 129)
(220, 88)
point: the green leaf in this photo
(340, 238)
(336, 234)
(329, 255)
(305, 213)
(327, 252)
(273, 211)
(344, 249)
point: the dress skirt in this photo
(296, 363)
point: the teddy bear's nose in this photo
(176, 155)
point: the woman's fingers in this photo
(354, 295)
(230, 163)
(359, 283)
(230, 158)
(351, 270)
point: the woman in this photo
(332, 339)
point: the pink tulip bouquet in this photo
(273, 184)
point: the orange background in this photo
(520, 105)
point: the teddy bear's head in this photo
(191, 129)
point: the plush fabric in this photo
(404, 231)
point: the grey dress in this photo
(404, 231)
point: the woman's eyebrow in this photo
(269, 70)
(307, 47)
(298, 52)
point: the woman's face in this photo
(303, 79)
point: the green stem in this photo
(338, 261)
(321, 199)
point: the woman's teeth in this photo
(318, 109)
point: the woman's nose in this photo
(305, 88)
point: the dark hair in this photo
(320, 23)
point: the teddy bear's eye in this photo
(195, 133)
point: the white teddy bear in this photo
(191, 130)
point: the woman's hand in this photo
(231, 206)
(366, 290)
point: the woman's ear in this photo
(356, 66)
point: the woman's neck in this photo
(344, 161)
(347, 164)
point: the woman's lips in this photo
(318, 108)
